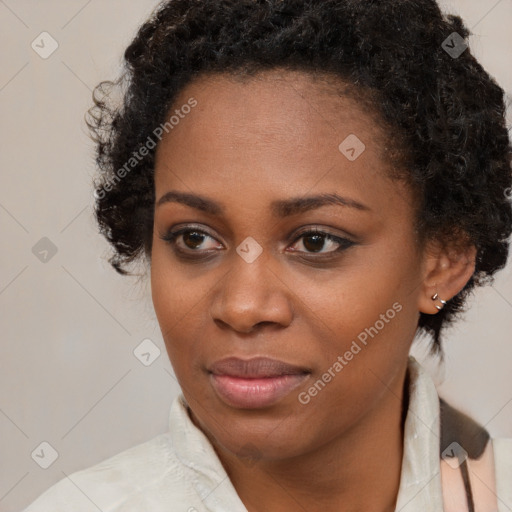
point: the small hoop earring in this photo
(443, 302)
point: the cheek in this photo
(169, 293)
(367, 313)
(163, 289)
(353, 297)
(173, 290)
(180, 300)
(366, 331)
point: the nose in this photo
(251, 295)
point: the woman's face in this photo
(248, 166)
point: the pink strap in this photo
(481, 473)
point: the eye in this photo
(315, 240)
(189, 239)
(192, 242)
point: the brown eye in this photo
(316, 241)
(192, 243)
(189, 240)
(193, 239)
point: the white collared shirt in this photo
(180, 471)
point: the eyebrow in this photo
(280, 208)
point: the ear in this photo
(446, 270)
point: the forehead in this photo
(306, 98)
(292, 111)
(272, 132)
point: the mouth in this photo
(255, 383)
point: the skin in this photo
(246, 144)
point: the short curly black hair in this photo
(446, 112)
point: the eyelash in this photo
(171, 236)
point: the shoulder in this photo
(502, 448)
(485, 462)
(139, 476)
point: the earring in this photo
(443, 302)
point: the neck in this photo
(357, 471)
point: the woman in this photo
(311, 184)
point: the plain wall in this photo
(68, 375)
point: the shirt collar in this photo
(195, 451)
(420, 480)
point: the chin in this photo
(255, 440)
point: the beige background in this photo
(68, 375)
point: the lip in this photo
(255, 383)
